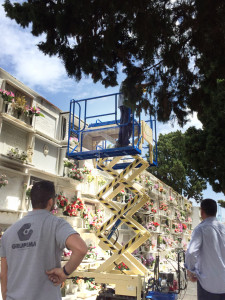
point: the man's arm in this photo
(4, 270)
(79, 249)
(192, 253)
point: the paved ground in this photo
(191, 293)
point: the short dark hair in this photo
(209, 206)
(41, 192)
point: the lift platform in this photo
(95, 124)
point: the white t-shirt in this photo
(31, 246)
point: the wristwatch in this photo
(65, 272)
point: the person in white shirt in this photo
(205, 256)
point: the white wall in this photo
(46, 124)
(11, 194)
(195, 216)
(46, 163)
(11, 136)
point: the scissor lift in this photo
(94, 139)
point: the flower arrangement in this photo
(91, 253)
(3, 180)
(101, 181)
(128, 197)
(137, 179)
(147, 245)
(28, 191)
(90, 178)
(180, 216)
(69, 163)
(156, 186)
(71, 210)
(7, 96)
(152, 226)
(95, 220)
(162, 190)
(76, 174)
(172, 200)
(163, 206)
(85, 171)
(167, 229)
(62, 201)
(32, 111)
(154, 211)
(121, 193)
(76, 280)
(73, 141)
(188, 206)
(90, 284)
(67, 253)
(189, 219)
(147, 205)
(148, 262)
(79, 205)
(184, 226)
(19, 105)
(159, 240)
(148, 182)
(122, 267)
(17, 154)
(84, 214)
(168, 241)
(154, 243)
(176, 228)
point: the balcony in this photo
(20, 120)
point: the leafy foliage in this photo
(177, 50)
(205, 147)
(221, 203)
(174, 169)
(167, 45)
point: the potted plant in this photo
(73, 142)
(68, 165)
(75, 283)
(15, 153)
(71, 210)
(3, 180)
(62, 202)
(19, 105)
(8, 97)
(122, 267)
(76, 174)
(101, 181)
(121, 196)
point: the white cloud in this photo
(31, 66)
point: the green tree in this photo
(174, 169)
(205, 147)
(176, 48)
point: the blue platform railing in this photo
(102, 121)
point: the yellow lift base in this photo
(130, 282)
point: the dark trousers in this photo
(204, 295)
(125, 130)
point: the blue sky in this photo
(20, 57)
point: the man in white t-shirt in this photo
(31, 250)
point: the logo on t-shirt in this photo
(25, 232)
